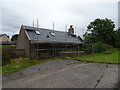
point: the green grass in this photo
(0, 69)
(7, 45)
(19, 64)
(111, 57)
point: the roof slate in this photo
(45, 35)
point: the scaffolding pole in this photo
(33, 39)
(75, 40)
(53, 43)
(65, 36)
(37, 51)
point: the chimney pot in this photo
(71, 30)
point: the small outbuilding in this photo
(4, 38)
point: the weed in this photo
(107, 65)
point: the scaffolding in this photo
(54, 49)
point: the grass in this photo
(110, 57)
(7, 45)
(0, 70)
(19, 64)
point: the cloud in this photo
(119, 14)
(92, 10)
(62, 12)
(11, 21)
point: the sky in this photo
(78, 13)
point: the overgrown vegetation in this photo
(7, 56)
(109, 56)
(20, 63)
(101, 40)
(97, 48)
(0, 69)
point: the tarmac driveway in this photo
(79, 75)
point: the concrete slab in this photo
(71, 76)
(61, 75)
(110, 78)
(47, 65)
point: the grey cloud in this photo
(93, 10)
(119, 14)
(63, 12)
(11, 21)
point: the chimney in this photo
(71, 30)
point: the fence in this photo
(19, 52)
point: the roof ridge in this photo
(44, 29)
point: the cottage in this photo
(4, 38)
(33, 39)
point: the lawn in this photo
(19, 64)
(110, 57)
(7, 45)
(0, 69)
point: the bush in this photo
(107, 52)
(88, 49)
(97, 48)
(7, 56)
(100, 47)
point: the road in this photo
(79, 75)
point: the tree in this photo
(116, 37)
(100, 30)
(14, 37)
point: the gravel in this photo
(79, 75)
(50, 64)
(64, 74)
(47, 65)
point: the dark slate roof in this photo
(60, 36)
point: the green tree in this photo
(14, 37)
(116, 38)
(100, 30)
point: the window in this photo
(52, 33)
(47, 36)
(37, 32)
